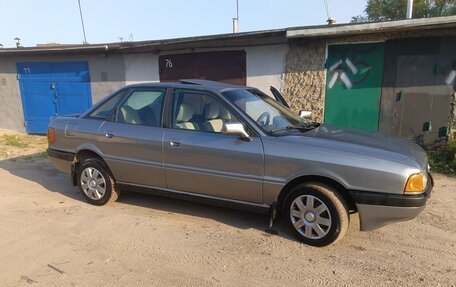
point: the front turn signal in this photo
(416, 183)
(51, 135)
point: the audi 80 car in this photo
(235, 146)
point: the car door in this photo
(131, 141)
(199, 158)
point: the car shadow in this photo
(39, 169)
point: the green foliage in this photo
(443, 160)
(386, 10)
(13, 140)
(42, 154)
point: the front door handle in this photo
(173, 143)
(109, 135)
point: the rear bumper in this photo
(379, 209)
(60, 159)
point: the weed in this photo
(42, 154)
(14, 140)
(443, 160)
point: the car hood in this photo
(393, 147)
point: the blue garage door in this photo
(52, 88)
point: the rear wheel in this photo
(316, 214)
(96, 183)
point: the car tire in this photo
(96, 182)
(316, 214)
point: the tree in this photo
(386, 10)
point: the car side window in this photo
(104, 110)
(142, 108)
(199, 111)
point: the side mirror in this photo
(305, 114)
(236, 129)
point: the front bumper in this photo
(378, 209)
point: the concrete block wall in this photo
(11, 114)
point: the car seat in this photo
(184, 116)
(213, 121)
(130, 115)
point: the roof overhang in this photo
(371, 28)
(268, 37)
(257, 38)
(59, 50)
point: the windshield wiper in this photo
(314, 124)
(292, 127)
(305, 128)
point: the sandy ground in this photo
(49, 236)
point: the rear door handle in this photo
(109, 135)
(174, 143)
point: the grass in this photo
(14, 140)
(443, 160)
(42, 154)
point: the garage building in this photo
(398, 77)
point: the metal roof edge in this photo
(366, 28)
(59, 49)
(226, 36)
(257, 37)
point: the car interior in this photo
(142, 108)
(197, 111)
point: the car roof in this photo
(193, 83)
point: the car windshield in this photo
(267, 112)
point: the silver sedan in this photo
(235, 146)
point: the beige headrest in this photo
(130, 115)
(212, 111)
(186, 112)
(225, 114)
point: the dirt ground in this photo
(49, 236)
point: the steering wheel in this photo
(264, 119)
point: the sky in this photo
(46, 21)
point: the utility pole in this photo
(236, 20)
(82, 22)
(409, 9)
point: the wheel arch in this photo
(81, 154)
(317, 179)
(86, 153)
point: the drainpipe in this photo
(409, 9)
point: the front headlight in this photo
(416, 183)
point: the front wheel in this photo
(316, 214)
(96, 183)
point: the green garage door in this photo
(353, 85)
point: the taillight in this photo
(51, 135)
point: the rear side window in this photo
(103, 111)
(142, 108)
